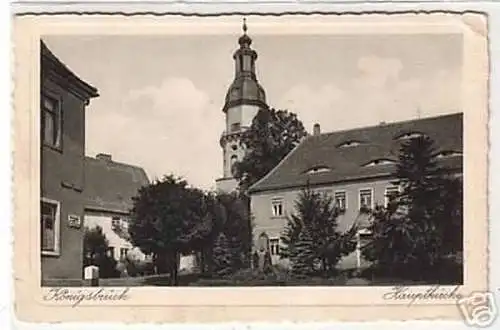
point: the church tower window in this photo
(235, 127)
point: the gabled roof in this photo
(53, 67)
(369, 157)
(110, 186)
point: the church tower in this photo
(244, 98)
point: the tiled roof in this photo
(110, 186)
(332, 158)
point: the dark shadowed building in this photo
(63, 99)
(353, 166)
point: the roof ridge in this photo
(114, 162)
(452, 114)
(120, 164)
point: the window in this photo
(234, 159)
(340, 200)
(318, 169)
(277, 207)
(241, 63)
(115, 222)
(409, 136)
(448, 153)
(390, 193)
(380, 162)
(235, 127)
(365, 199)
(123, 253)
(49, 226)
(348, 144)
(365, 236)
(51, 121)
(274, 245)
(124, 223)
(111, 251)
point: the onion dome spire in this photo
(245, 88)
(245, 41)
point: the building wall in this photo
(232, 151)
(226, 185)
(261, 207)
(242, 114)
(62, 179)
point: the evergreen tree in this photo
(418, 229)
(222, 256)
(303, 256)
(315, 216)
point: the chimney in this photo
(105, 157)
(316, 129)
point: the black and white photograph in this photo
(247, 159)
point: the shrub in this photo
(139, 267)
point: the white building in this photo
(110, 186)
(109, 189)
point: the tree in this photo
(419, 228)
(222, 256)
(303, 254)
(96, 247)
(237, 227)
(230, 216)
(169, 218)
(315, 219)
(272, 135)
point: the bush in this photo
(138, 267)
(95, 252)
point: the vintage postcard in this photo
(251, 168)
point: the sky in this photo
(161, 97)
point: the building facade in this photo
(110, 187)
(63, 99)
(354, 167)
(244, 98)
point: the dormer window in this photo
(318, 169)
(378, 162)
(448, 154)
(409, 136)
(349, 144)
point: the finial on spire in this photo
(245, 28)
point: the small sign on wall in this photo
(74, 221)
